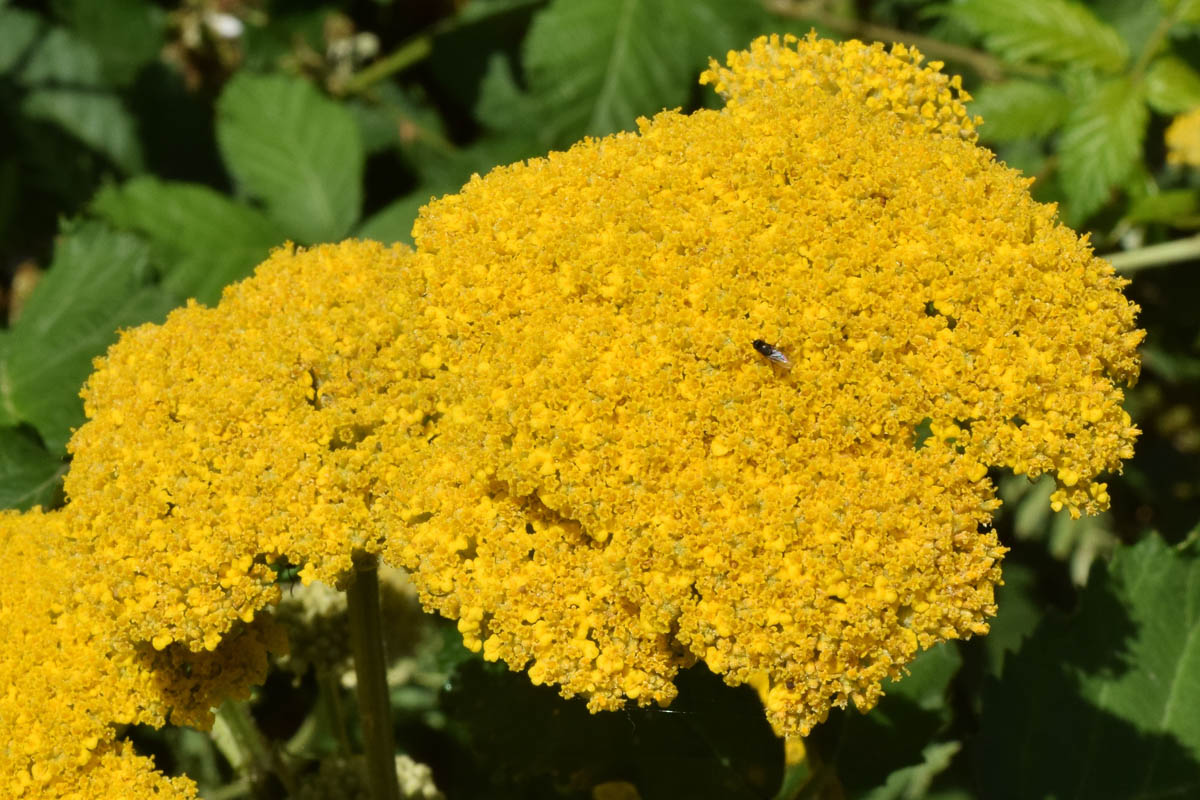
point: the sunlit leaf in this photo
(1103, 704)
(125, 34)
(393, 223)
(298, 152)
(1100, 144)
(865, 750)
(1171, 206)
(60, 75)
(202, 239)
(591, 67)
(1172, 85)
(29, 475)
(1019, 109)
(1047, 31)
(98, 282)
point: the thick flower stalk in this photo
(657, 489)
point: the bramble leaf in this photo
(1019, 109)
(874, 752)
(203, 240)
(593, 66)
(1172, 206)
(1047, 31)
(60, 76)
(1185, 10)
(18, 31)
(98, 282)
(712, 742)
(1103, 703)
(1172, 86)
(29, 475)
(125, 34)
(393, 223)
(1100, 144)
(298, 152)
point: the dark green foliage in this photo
(146, 159)
(713, 741)
(1104, 703)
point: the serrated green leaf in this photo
(1045, 31)
(1033, 509)
(1018, 613)
(1103, 704)
(502, 105)
(1100, 143)
(98, 282)
(99, 121)
(29, 475)
(126, 34)
(202, 239)
(446, 171)
(913, 782)
(477, 10)
(18, 31)
(295, 150)
(393, 117)
(1184, 10)
(1169, 207)
(61, 79)
(394, 222)
(712, 742)
(1172, 86)
(865, 749)
(1019, 109)
(928, 677)
(593, 67)
(1135, 20)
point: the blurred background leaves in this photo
(155, 150)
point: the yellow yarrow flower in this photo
(55, 707)
(654, 489)
(228, 439)
(553, 415)
(1183, 139)
(67, 687)
(921, 99)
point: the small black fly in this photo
(772, 353)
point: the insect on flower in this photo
(772, 353)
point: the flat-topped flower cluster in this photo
(551, 413)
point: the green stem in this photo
(230, 791)
(410, 52)
(370, 665)
(245, 747)
(1152, 44)
(330, 692)
(1156, 255)
(989, 67)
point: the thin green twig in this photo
(410, 52)
(1156, 255)
(252, 753)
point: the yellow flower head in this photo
(636, 485)
(1183, 139)
(725, 389)
(67, 685)
(921, 99)
(228, 439)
